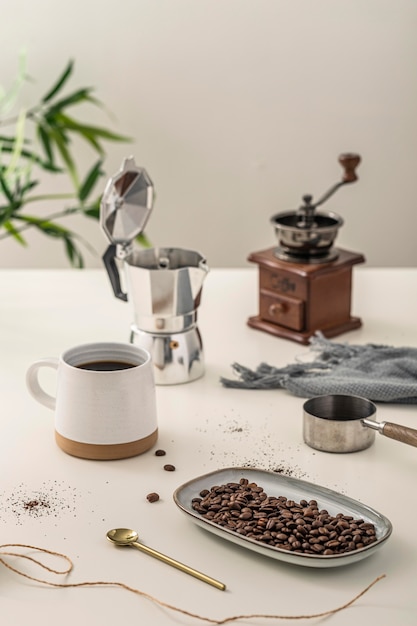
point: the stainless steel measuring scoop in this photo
(341, 423)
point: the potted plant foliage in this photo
(40, 146)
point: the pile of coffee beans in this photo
(300, 527)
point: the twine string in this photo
(166, 605)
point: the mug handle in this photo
(33, 385)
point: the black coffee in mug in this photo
(106, 366)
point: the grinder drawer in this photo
(281, 310)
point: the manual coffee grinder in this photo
(164, 284)
(305, 283)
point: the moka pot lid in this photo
(126, 203)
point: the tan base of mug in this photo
(106, 452)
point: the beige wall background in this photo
(237, 108)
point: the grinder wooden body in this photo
(296, 300)
(305, 283)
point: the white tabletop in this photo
(202, 427)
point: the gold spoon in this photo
(128, 537)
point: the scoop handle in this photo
(400, 433)
(393, 431)
(184, 568)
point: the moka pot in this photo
(164, 284)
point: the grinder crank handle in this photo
(394, 431)
(109, 259)
(349, 161)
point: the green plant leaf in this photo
(70, 125)
(143, 240)
(45, 225)
(9, 98)
(14, 233)
(81, 95)
(96, 145)
(93, 210)
(73, 253)
(18, 144)
(28, 186)
(54, 169)
(59, 83)
(61, 144)
(34, 158)
(51, 151)
(45, 142)
(96, 131)
(89, 133)
(6, 189)
(10, 139)
(90, 181)
(58, 232)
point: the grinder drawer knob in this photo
(276, 308)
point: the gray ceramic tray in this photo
(279, 485)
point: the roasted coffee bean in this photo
(160, 453)
(314, 540)
(152, 497)
(367, 526)
(308, 512)
(302, 527)
(169, 468)
(317, 547)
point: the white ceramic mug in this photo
(105, 404)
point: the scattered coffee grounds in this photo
(48, 499)
(300, 527)
(35, 504)
(169, 468)
(152, 497)
(160, 453)
(235, 442)
(285, 470)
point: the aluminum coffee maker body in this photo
(163, 284)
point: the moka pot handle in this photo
(109, 259)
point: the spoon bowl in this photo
(122, 536)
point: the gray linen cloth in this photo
(376, 372)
